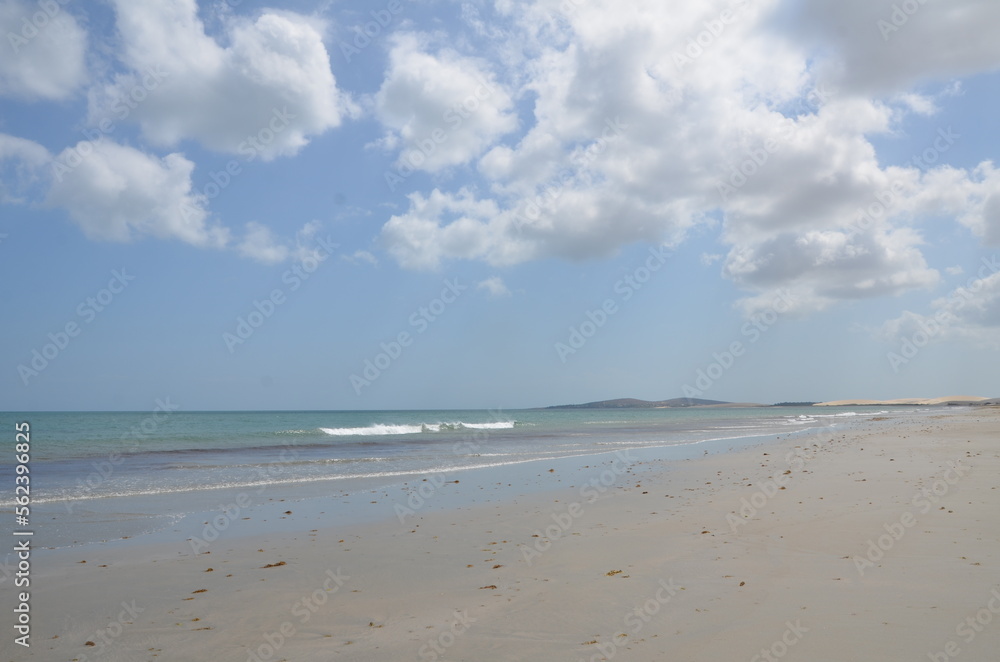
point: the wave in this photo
(843, 414)
(384, 429)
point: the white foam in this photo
(383, 429)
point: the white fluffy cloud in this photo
(261, 90)
(969, 313)
(114, 192)
(822, 267)
(418, 240)
(971, 197)
(44, 51)
(723, 111)
(442, 109)
(118, 193)
(495, 286)
(261, 244)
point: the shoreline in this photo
(702, 558)
(105, 520)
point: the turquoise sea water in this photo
(93, 455)
(100, 476)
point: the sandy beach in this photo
(878, 544)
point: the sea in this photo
(110, 475)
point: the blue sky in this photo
(430, 204)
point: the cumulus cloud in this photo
(261, 90)
(972, 197)
(261, 244)
(45, 53)
(441, 226)
(442, 109)
(969, 313)
(881, 46)
(495, 286)
(650, 120)
(115, 192)
(822, 267)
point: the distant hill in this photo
(632, 403)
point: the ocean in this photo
(129, 472)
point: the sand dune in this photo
(858, 402)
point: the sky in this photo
(411, 204)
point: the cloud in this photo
(118, 193)
(651, 120)
(882, 46)
(262, 92)
(708, 259)
(495, 286)
(823, 267)
(115, 192)
(970, 313)
(21, 163)
(418, 240)
(441, 109)
(972, 197)
(260, 243)
(359, 256)
(45, 53)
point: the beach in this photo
(877, 542)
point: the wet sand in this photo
(876, 544)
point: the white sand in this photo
(689, 588)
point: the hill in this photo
(632, 403)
